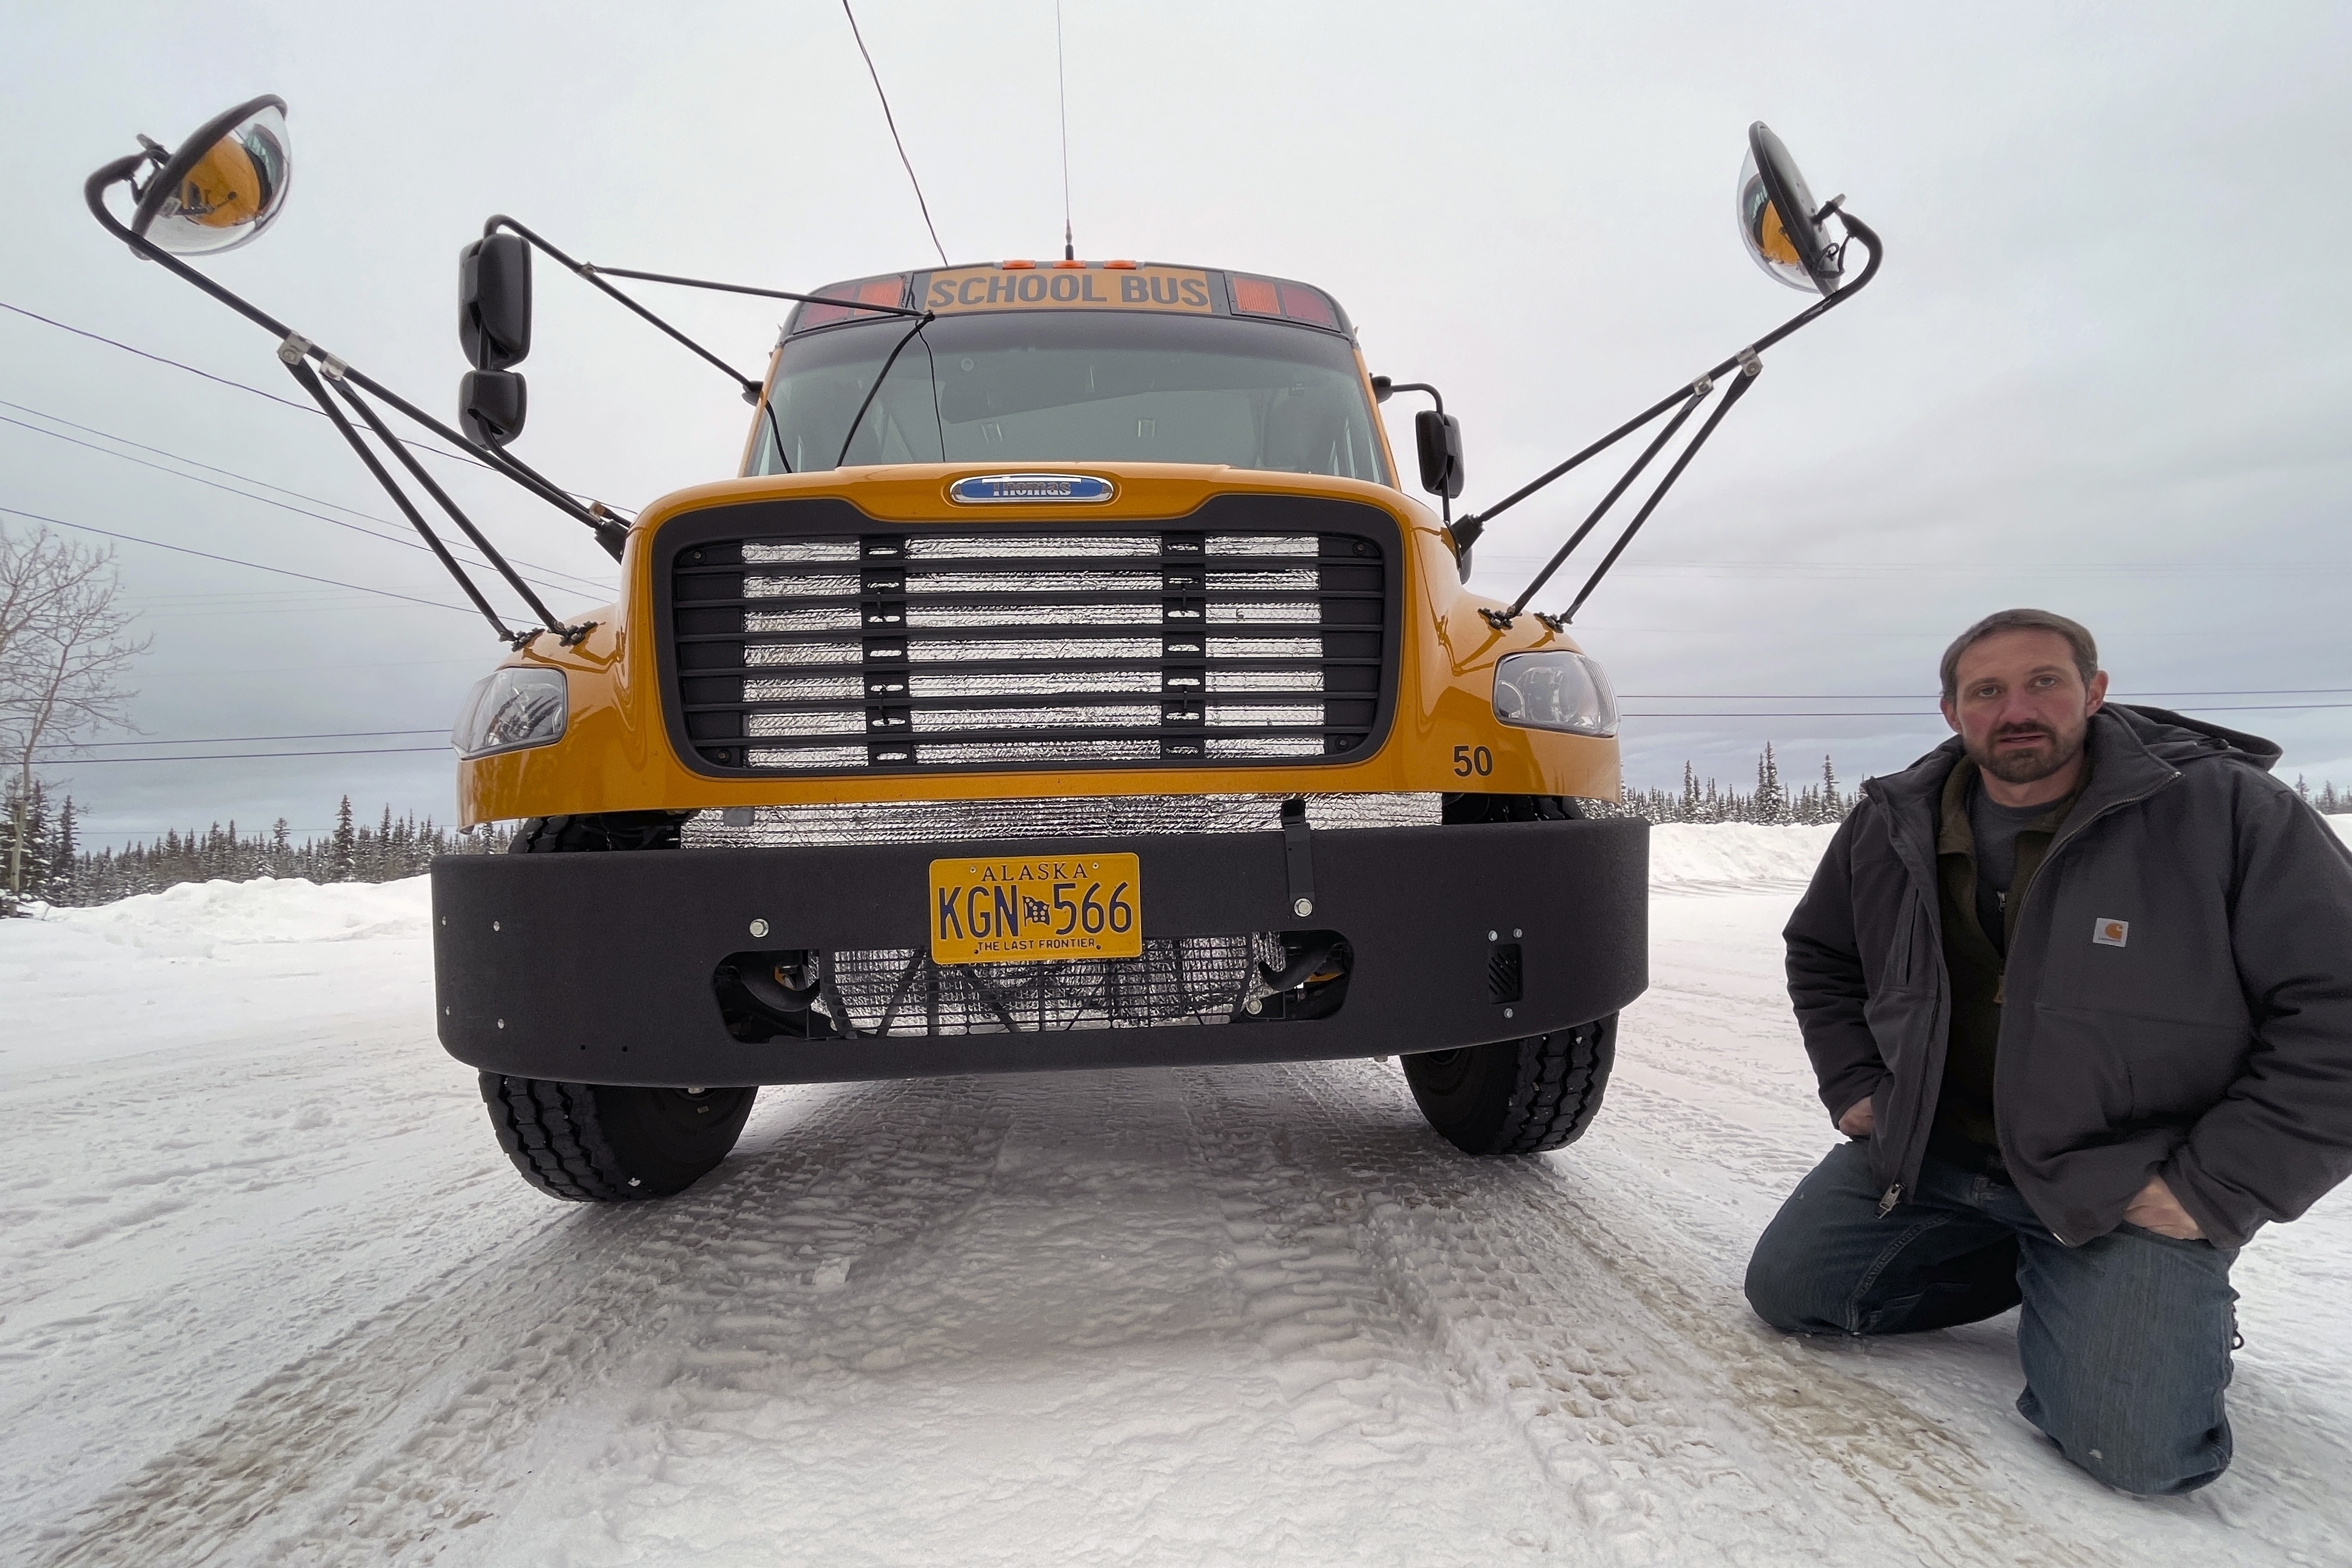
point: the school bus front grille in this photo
(1029, 646)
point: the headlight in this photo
(1555, 691)
(511, 709)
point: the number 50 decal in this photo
(1468, 760)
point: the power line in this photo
(892, 122)
(248, 478)
(231, 560)
(288, 401)
(1930, 696)
(246, 495)
(159, 359)
(1932, 713)
(235, 756)
(1879, 568)
(237, 740)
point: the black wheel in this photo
(1516, 1097)
(1514, 808)
(605, 1144)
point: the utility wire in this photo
(1930, 696)
(159, 359)
(891, 121)
(579, 586)
(1931, 713)
(239, 740)
(257, 392)
(233, 474)
(237, 756)
(231, 560)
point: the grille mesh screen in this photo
(1022, 648)
(1180, 980)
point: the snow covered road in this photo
(271, 1294)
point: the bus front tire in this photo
(1516, 1097)
(607, 1143)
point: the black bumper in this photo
(597, 968)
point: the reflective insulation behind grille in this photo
(1180, 980)
(1035, 646)
(1106, 817)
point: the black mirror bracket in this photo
(295, 351)
(1447, 434)
(1748, 363)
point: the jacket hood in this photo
(2131, 734)
(2176, 738)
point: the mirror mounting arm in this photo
(1751, 368)
(1467, 529)
(1383, 389)
(589, 272)
(292, 352)
(123, 169)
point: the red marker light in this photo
(1255, 297)
(887, 290)
(1292, 301)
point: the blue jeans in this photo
(2125, 1340)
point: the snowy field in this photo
(270, 1294)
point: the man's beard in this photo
(2027, 767)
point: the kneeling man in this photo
(2078, 988)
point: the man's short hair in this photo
(2078, 638)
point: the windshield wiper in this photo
(873, 391)
(778, 432)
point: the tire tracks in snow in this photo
(1654, 1406)
(390, 1438)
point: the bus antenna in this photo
(1062, 84)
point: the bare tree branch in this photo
(63, 653)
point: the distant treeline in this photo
(1771, 803)
(58, 870)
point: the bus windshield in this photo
(1034, 387)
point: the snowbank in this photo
(192, 918)
(1723, 856)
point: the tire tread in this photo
(1562, 1077)
(549, 1129)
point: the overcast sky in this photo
(2104, 370)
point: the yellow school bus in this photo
(1066, 679)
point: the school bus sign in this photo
(963, 289)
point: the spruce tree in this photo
(1772, 804)
(64, 867)
(342, 859)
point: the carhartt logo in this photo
(2110, 933)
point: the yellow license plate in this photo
(1022, 912)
